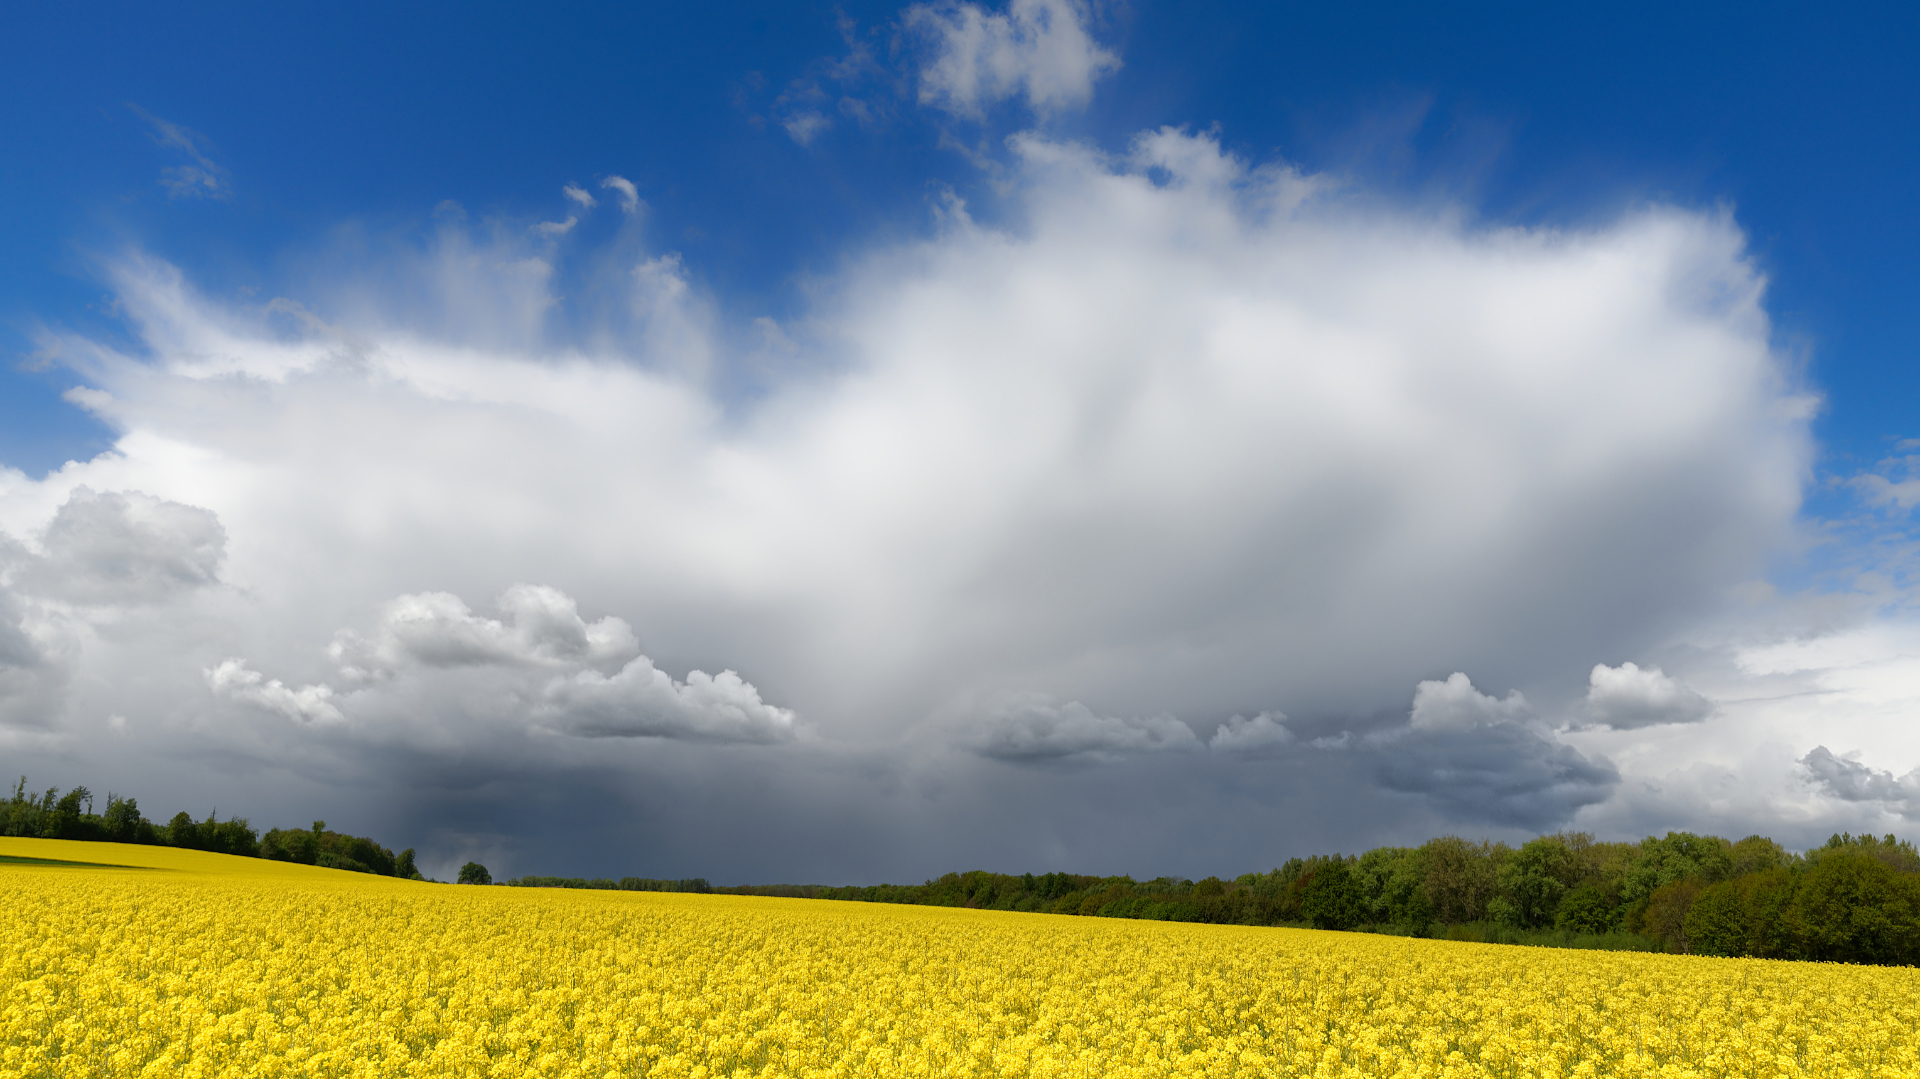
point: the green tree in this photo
(122, 821)
(1665, 915)
(183, 832)
(1533, 879)
(475, 873)
(1586, 909)
(1851, 907)
(1461, 878)
(1676, 857)
(1744, 916)
(1756, 853)
(1894, 853)
(1332, 898)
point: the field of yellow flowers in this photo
(208, 965)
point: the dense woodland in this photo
(52, 815)
(1854, 899)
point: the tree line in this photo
(1854, 899)
(52, 815)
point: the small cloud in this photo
(1894, 483)
(641, 701)
(308, 704)
(200, 176)
(1852, 781)
(540, 665)
(1033, 726)
(1039, 49)
(542, 628)
(1629, 697)
(556, 228)
(1263, 733)
(1484, 758)
(629, 195)
(805, 125)
(1455, 705)
(580, 195)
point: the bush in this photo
(475, 873)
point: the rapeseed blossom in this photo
(207, 965)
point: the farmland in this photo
(190, 963)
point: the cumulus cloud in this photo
(582, 196)
(307, 704)
(1485, 759)
(1037, 49)
(1033, 726)
(1263, 733)
(1195, 438)
(1852, 781)
(641, 702)
(542, 628)
(1627, 697)
(1454, 705)
(124, 547)
(541, 665)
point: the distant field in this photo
(244, 967)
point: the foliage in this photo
(70, 816)
(474, 873)
(1332, 899)
(332, 850)
(108, 973)
(1849, 900)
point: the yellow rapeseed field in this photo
(205, 965)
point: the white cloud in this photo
(1037, 49)
(307, 704)
(1193, 439)
(1264, 732)
(542, 628)
(1627, 697)
(581, 195)
(1454, 705)
(1033, 726)
(556, 228)
(201, 176)
(804, 125)
(624, 188)
(429, 659)
(642, 702)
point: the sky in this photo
(833, 444)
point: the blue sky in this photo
(325, 116)
(1350, 423)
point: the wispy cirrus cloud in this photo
(199, 176)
